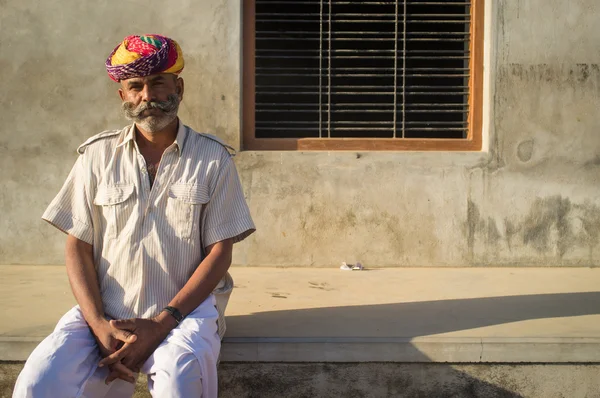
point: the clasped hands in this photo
(126, 344)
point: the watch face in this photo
(177, 315)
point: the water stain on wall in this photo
(590, 219)
(593, 162)
(553, 226)
(571, 74)
(493, 234)
(548, 215)
(525, 150)
(510, 230)
(474, 225)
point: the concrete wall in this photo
(378, 380)
(530, 198)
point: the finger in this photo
(115, 356)
(116, 375)
(133, 362)
(124, 335)
(120, 371)
(123, 323)
(128, 362)
(125, 373)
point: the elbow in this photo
(223, 251)
(75, 245)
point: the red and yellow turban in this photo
(139, 56)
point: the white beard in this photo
(153, 124)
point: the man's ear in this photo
(121, 94)
(180, 87)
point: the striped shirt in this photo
(148, 240)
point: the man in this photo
(151, 212)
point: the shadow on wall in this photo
(405, 320)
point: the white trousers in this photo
(65, 364)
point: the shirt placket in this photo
(152, 192)
(151, 199)
(161, 181)
(144, 181)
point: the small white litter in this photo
(351, 267)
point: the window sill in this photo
(361, 144)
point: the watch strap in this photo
(175, 313)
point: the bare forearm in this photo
(151, 332)
(205, 278)
(84, 280)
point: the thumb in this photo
(124, 335)
(128, 324)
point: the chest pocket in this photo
(116, 203)
(184, 207)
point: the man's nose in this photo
(147, 94)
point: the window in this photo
(362, 75)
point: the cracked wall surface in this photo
(531, 198)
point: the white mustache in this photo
(170, 105)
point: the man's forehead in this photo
(150, 78)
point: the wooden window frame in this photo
(473, 142)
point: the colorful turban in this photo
(139, 56)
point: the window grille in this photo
(361, 74)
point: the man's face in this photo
(151, 102)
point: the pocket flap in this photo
(189, 193)
(112, 194)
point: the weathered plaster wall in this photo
(530, 198)
(378, 380)
(55, 93)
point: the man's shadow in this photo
(385, 322)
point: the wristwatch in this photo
(174, 313)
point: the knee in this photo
(37, 380)
(186, 367)
(51, 372)
(180, 377)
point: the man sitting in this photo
(151, 212)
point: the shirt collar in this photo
(129, 135)
(179, 142)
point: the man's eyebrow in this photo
(140, 82)
(157, 78)
(132, 83)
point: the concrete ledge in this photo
(418, 350)
(418, 315)
(422, 350)
(17, 348)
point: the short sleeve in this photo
(226, 215)
(69, 211)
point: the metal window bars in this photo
(354, 69)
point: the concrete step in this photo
(416, 332)
(530, 315)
